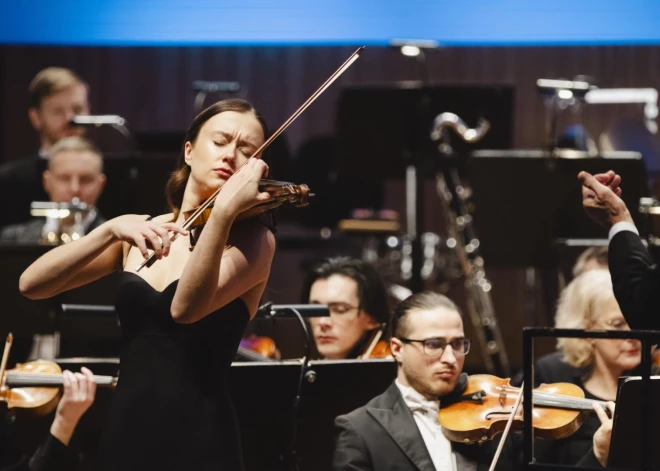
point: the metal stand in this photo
(306, 373)
(466, 244)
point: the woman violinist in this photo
(182, 318)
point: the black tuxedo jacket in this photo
(636, 281)
(383, 436)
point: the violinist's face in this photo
(338, 334)
(614, 355)
(51, 119)
(74, 174)
(223, 145)
(430, 376)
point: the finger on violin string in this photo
(82, 385)
(91, 381)
(600, 412)
(264, 197)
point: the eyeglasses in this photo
(434, 347)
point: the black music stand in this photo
(384, 132)
(628, 440)
(525, 201)
(25, 317)
(263, 396)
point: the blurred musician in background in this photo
(54, 454)
(75, 170)
(356, 297)
(55, 96)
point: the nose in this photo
(230, 152)
(325, 322)
(448, 355)
(74, 187)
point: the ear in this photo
(396, 346)
(45, 178)
(187, 151)
(35, 118)
(102, 181)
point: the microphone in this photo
(287, 310)
(211, 87)
(98, 120)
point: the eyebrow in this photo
(230, 137)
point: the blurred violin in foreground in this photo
(36, 385)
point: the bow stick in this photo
(152, 258)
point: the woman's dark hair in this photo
(426, 300)
(176, 185)
(371, 290)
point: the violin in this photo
(485, 407)
(256, 348)
(287, 189)
(381, 350)
(36, 386)
(282, 192)
(377, 348)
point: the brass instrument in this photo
(69, 217)
(462, 236)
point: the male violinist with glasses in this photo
(399, 430)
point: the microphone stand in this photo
(270, 311)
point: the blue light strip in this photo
(328, 22)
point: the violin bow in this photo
(335, 75)
(500, 445)
(5, 358)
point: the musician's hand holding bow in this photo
(79, 393)
(143, 234)
(241, 191)
(601, 198)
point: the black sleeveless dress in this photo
(171, 408)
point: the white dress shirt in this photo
(622, 226)
(425, 413)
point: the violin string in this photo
(39, 378)
(550, 399)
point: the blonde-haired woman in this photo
(593, 364)
(588, 303)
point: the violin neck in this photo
(247, 354)
(27, 380)
(557, 401)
